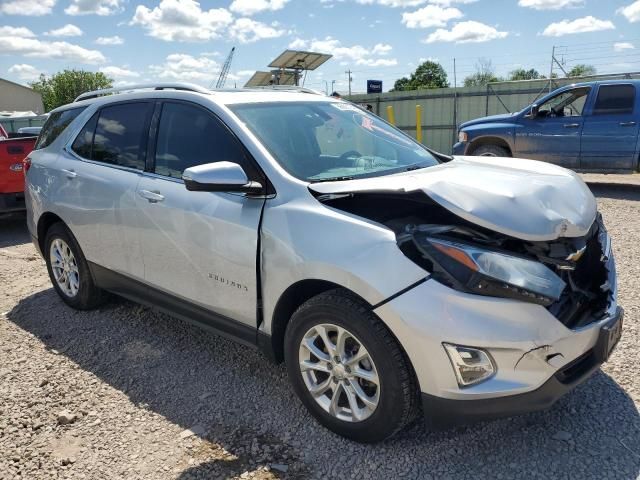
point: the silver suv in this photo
(389, 278)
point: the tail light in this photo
(26, 165)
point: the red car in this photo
(12, 152)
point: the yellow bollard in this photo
(419, 123)
(390, 116)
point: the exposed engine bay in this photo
(568, 276)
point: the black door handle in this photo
(571, 125)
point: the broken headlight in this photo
(492, 273)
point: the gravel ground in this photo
(126, 392)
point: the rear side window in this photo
(615, 100)
(189, 136)
(116, 135)
(55, 125)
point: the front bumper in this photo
(460, 148)
(538, 359)
(442, 412)
(12, 202)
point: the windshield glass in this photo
(322, 141)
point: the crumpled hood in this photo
(525, 199)
(488, 119)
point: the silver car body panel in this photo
(521, 198)
(181, 243)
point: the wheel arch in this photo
(44, 223)
(489, 140)
(290, 300)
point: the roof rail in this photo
(287, 88)
(189, 87)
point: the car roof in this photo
(184, 90)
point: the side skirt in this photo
(176, 307)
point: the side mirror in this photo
(533, 112)
(219, 177)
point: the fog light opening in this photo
(471, 365)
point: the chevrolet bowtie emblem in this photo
(575, 256)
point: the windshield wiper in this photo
(333, 179)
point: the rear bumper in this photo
(12, 202)
(442, 413)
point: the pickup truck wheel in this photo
(69, 271)
(491, 151)
(347, 368)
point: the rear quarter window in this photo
(55, 125)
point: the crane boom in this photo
(225, 69)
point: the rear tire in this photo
(376, 388)
(69, 271)
(491, 151)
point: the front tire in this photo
(69, 271)
(348, 369)
(491, 151)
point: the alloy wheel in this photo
(339, 372)
(64, 267)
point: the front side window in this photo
(566, 104)
(615, 100)
(116, 135)
(322, 141)
(189, 136)
(55, 125)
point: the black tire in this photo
(88, 295)
(398, 397)
(491, 151)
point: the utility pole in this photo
(553, 57)
(349, 79)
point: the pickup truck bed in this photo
(12, 152)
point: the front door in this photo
(101, 170)
(610, 133)
(198, 246)
(553, 135)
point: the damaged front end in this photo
(568, 276)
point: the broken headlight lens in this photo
(471, 365)
(493, 273)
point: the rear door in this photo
(553, 135)
(200, 247)
(101, 169)
(610, 132)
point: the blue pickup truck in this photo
(585, 126)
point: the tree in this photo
(484, 74)
(582, 70)
(428, 75)
(63, 87)
(522, 74)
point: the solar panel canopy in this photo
(296, 59)
(260, 79)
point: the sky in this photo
(138, 41)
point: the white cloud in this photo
(409, 3)
(550, 4)
(631, 11)
(621, 46)
(115, 40)
(94, 7)
(20, 41)
(68, 30)
(246, 30)
(25, 72)
(446, 3)
(355, 54)
(251, 7)
(34, 8)
(466, 32)
(21, 32)
(579, 25)
(182, 21)
(430, 16)
(183, 67)
(117, 72)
